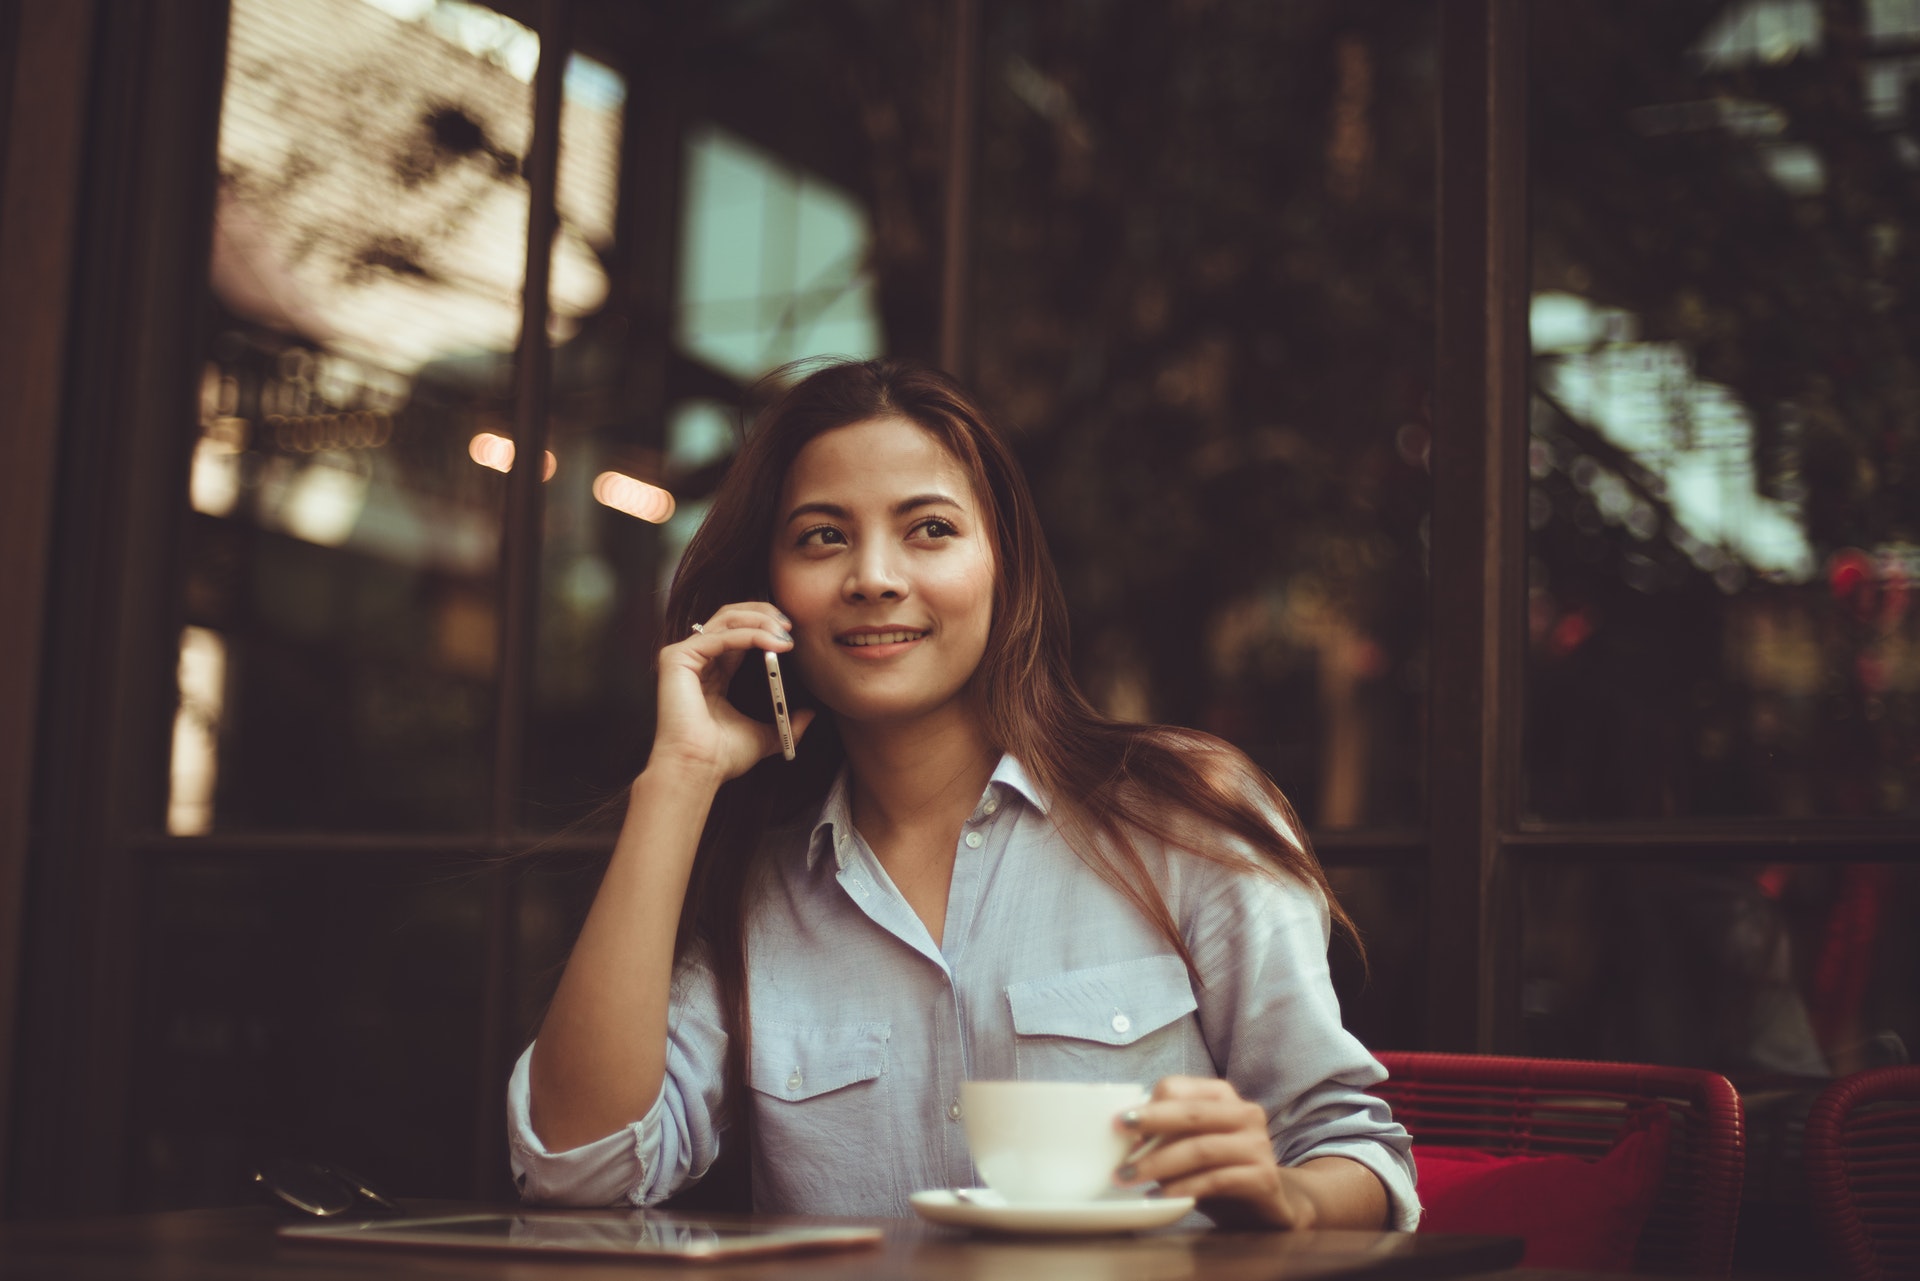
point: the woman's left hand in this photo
(1214, 1147)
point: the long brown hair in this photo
(1109, 783)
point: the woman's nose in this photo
(875, 576)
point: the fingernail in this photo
(1126, 1174)
(785, 636)
(1130, 1118)
(1156, 1191)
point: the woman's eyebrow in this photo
(900, 508)
(817, 509)
(906, 505)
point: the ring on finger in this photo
(699, 629)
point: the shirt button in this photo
(953, 1113)
(793, 1082)
(993, 803)
(1121, 1022)
(974, 840)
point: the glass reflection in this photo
(1725, 466)
(775, 264)
(1754, 970)
(366, 269)
(1204, 301)
(260, 1029)
(196, 727)
(1383, 1002)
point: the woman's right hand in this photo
(601, 1057)
(697, 727)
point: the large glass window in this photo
(1205, 301)
(1725, 459)
(341, 598)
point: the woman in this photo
(966, 873)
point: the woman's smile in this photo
(881, 642)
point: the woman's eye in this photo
(821, 536)
(934, 527)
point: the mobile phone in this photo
(780, 718)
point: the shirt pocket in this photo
(822, 1106)
(1128, 1021)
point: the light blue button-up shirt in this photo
(863, 1027)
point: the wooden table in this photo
(217, 1245)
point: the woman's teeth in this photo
(882, 638)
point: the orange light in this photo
(496, 452)
(634, 497)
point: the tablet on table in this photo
(627, 1234)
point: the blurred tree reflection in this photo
(1733, 188)
(1204, 300)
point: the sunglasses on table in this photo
(321, 1189)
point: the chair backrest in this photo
(1517, 1107)
(1862, 1151)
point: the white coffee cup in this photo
(1047, 1140)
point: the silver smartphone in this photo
(780, 718)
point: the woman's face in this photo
(883, 562)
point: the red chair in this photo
(1537, 1107)
(1862, 1150)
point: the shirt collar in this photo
(836, 814)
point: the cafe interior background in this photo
(1501, 420)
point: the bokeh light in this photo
(496, 452)
(634, 497)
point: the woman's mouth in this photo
(859, 640)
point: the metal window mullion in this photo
(1477, 524)
(533, 380)
(519, 595)
(1800, 844)
(962, 129)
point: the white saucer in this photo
(1075, 1218)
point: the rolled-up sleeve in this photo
(670, 1147)
(1272, 1024)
